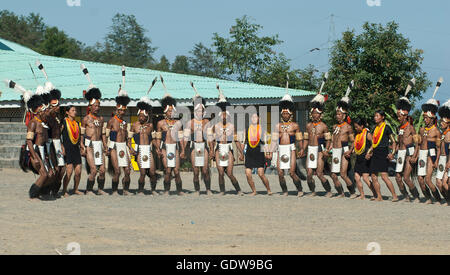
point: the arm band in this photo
(30, 135)
(306, 135)
(83, 131)
(328, 136)
(153, 135)
(158, 135)
(107, 132)
(104, 128)
(130, 134)
(299, 136)
(417, 139)
(187, 133)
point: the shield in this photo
(441, 168)
(312, 157)
(285, 158)
(224, 157)
(122, 154)
(145, 158)
(97, 155)
(336, 160)
(171, 156)
(422, 163)
(400, 161)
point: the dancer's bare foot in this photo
(197, 193)
(252, 194)
(300, 194)
(154, 193)
(313, 194)
(128, 193)
(379, 199)
(240, 194)
(78, 193)
(361, 197)
(90, 193)
(429, 201)
(340, 196)
(285, 194)
(166, 193)
(114, 193)
(181, 193)
(269, 193)
(353, 196)
(222, 194)
(394, 200)
(329, 195)
(209, 193)
(101, 193)
(66, 195)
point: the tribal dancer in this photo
(442, 177)
(342, 146)
(287, 135)
(408, 147)
(224, 133)
(199, 143)
(93, 139)
(52, 97)
(119, 133)
(379, 155)
(143, 134)
(33, 155)
(316, 140)
(169, 143)
(430, 139)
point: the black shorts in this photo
(362, 165)
(379, 162)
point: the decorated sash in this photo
(360, 142)
(378, 134)
(73, 130)
(254, 136)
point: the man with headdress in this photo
(224, 135)
(342, 146)
(119, 133)
(287, 134)
(195, 134)
(169, 143)
(316, 140)
(408, 147)
(34, 155)
(142, 133)
(93, 139)
(443, 175)
(429, 141)
(52, 97)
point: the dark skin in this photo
(171, 128)
(343, 135)
(379, 119)
(93, 124)
(443, 184)
(122, 137)
(406, 137)
(285, 139)
(198, 126)
(41, 134)
(316, 129)
(56, 126)
(224, 131)
(144, 128)
(433, 135)
(70, 169)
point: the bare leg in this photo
(293, 174)
(319, 171)
(344, 176)
(248, 173)
(376, 187)
(360, 186)
(265, 181)
(69, 171)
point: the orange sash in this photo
(73, 130)
(378, 134)
(254, 138)
(360, 142)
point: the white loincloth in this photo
(97, 147)
(48, 146)
(422, 164)
(42, 154)
(199, 154)
(441, 167)
(145, 156)
(313, 155)
(58, 150)
(87, 142)
(122, 154)
(401, 158)
(336, 160)
(171, 153)
(285, 155)
(224, 154)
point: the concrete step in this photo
(12, 139)
(10, 152)
(9, 163)
(11, 127)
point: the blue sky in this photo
(176, 25)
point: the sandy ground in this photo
(215, 225)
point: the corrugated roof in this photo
(66, 75)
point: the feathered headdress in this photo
(318, 102)
(222, 103)
(197, 100)
(31, 101)
(144, 105)
(344, 104)
(403, 104)
(287, 103)
(431, 107)
(167, 101)
(122, 100)
(444, 112)
(93, 94)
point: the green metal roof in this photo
(66, 75)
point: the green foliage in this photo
(245, 54)
(381, 61)
(163, 65)
(204, 62)
(181, 65)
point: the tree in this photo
(57, 43)
(204, 62)
(246, 53)
(127, 44)
(181, 65)
(28, 31)
(163, 65)
(381, 61)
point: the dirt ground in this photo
(215, 225)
